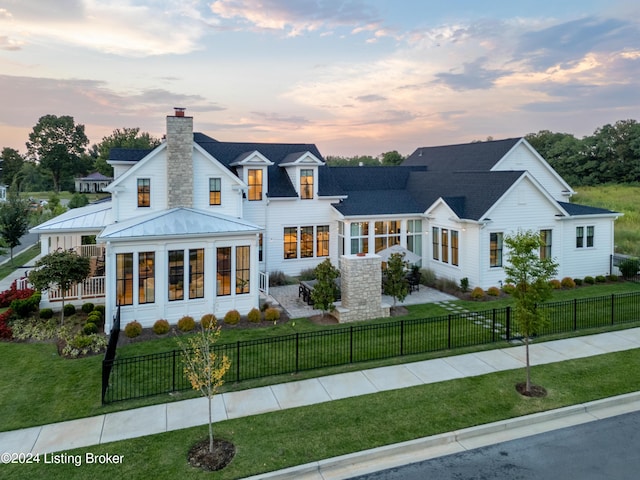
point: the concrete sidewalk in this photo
(188, 413)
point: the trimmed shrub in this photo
(69, 309)
(95, 317)
(23, 307)
(589, 280)
(613, 278)
(555, 284)
(464, 285)
(232, 317)
(46, 313)
(206, 320)
(186, 324)
(264, 306)
(272, 314)
(161, 327)
(100, 308)
(509, 288)
(493, 291)
(90, 328)
(601, 279)
(254, 315)
(629, 267)
(477, 293)
(87, 307)
(568, 282)
(133, 329)
(578, 281)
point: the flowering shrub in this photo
(13, 293)
(81, 344)
(5, 329)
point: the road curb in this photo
(389, 456)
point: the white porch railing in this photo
(90, 250)
(263, 283)
(92, 287)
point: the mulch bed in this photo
(199, 455)
(536, 391)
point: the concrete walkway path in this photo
(154, 419)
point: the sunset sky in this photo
(354, 76)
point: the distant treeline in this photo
(610, 155)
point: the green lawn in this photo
(19, 260)
(286, 438)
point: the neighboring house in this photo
(196, 225)
(3, 193)
(93, 183)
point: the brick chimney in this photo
(179, 160)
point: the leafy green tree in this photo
(14, 220)
(12, 162)
(61, 269)
(563, 151)
(125, 138)
(396, 284)
(78, 200)
(203, 367)
(57, 144)
(355, 161)
(531, 275)
(392, 158)
(324, 291)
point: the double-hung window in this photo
(255, 184)
(584, 236)
(144, 192)
(495, 249)
(215, 191)
(306, 183)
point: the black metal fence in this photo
(146, 375)
(110, 354)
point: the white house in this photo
(195, 225)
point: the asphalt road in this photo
(26, 241)
(604, 449)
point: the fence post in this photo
(449, 332)
(238, 361)
(402, 338)
(508, 323)
(575, 314)
(351, 344)
(493, 326)
(297, 351)
(173, 373)
(612, 309)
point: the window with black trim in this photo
(215, 192)
(146, 277)
(585, 240)
(254, 178)
(495, 249)
(124, 278)
(545, 243)
(306, 183)
(144, 192)
(196, 273)
(176, 274)
(243, 269)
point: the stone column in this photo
(179, 160)
(361, 285)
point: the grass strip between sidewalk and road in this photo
(23, 258)
(286, 438)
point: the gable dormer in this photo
(252, 168)
(302, 169)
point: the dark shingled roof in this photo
(463, 157)
(128, 154)
(575, 209)
(468, 194)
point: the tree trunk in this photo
(210, 427)
(526, 347)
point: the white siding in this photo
(522, 158)
(580, 262)
(231, 199)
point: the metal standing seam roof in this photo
(177, 222)
(91, 217)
